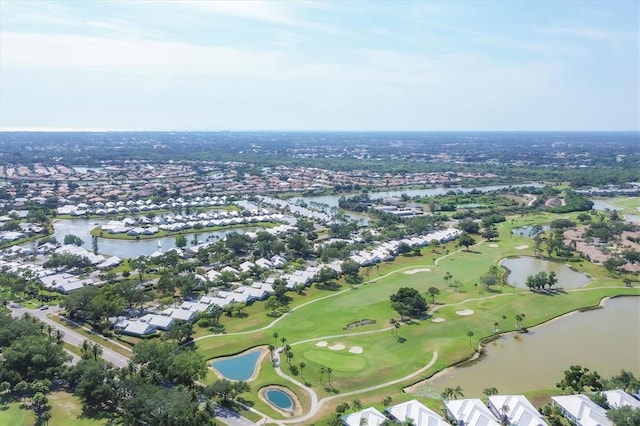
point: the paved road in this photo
(231, 418)
(71, 336)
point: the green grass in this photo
(13, 415)
(66, 410)
(386, 357)
(627, 204)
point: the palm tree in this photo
(96, 351)
(447, 278)
(495, 326)
(393, 323)
(504, 414)
(271, 349)
(289, 357)
(470, 334)
(447, 393)
(322, 371)
(302, 365)
(283, 340)
(275, 337)
(329, 371)
(490, 391)
(84, 349)
(457, 392)
(59, 335)
(433, 292)
(356, 404)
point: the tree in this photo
(433, 292)
(96, 350)
(470, 334)
(624, 415)
(468, 226)
(180, 331)
(613, 264)
(490, 391)
(490, 233)
(351, 270)
(302, 365)
(181, 241)
(577, 378)
(466, 240)
(322, 371)
(408, 300)
(71, 239)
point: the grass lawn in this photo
(629, 205)
(12, 414)
(66, 410)
(386, 356)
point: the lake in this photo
(130, 248)
(605, 340)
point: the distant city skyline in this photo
(319, 65)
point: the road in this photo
(74, 338)
(71, 336)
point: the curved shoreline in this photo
(256, 369)
(477, 356)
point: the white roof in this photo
(471, 412)
(583, 410)
(183, 314)
(159, 321)
(418, 412)
(139, 328)
(372, 416)
(520, 411)
(618, 398)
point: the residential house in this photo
(516, 410)
(369, 416)
(470, 412)
(580, 410)
(417, 412)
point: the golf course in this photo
(349, 343)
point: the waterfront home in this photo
(470, 412)
(619, 398)
(580, 410)
(515, 410)
(417, 413)
(369, 416)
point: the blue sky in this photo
(320, 65)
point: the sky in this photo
(319, 65)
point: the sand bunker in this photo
(337, 347)
(321, 343)
(493, 245)
(415, 271)
(465, 312)
(355, 349)
(439, 319)
(522, 247)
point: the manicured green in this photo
(14, 415)
(390, 354)
(66, 410)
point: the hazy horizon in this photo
(320, 66)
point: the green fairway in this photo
(13, 415)
(388, 354)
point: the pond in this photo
(527, 231)
(280, 399)
(521, 267)
(605, 340)
(240, 368)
